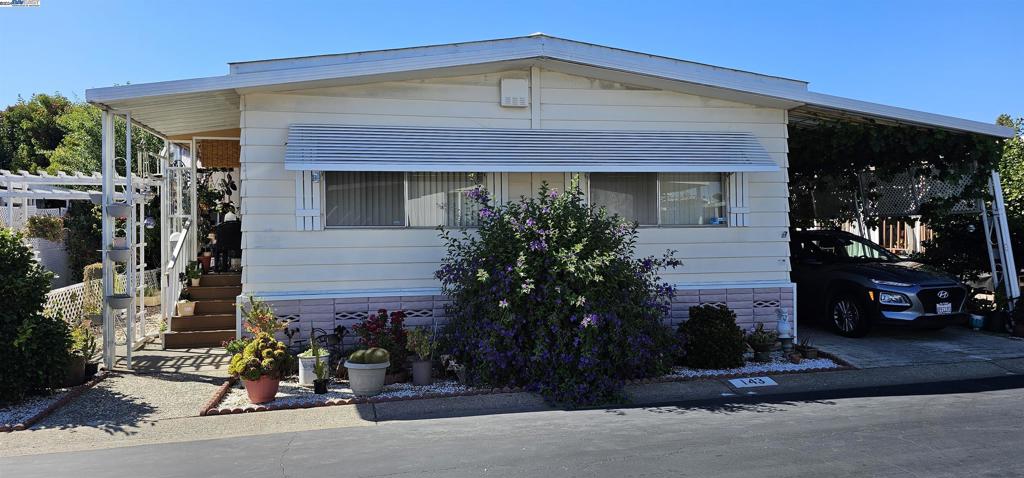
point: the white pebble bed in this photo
(19, 412)
(291, 392)
(778, 364)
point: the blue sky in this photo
(960, 58)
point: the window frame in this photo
(725, 178)
(405, 208)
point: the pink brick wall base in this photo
(752, 306)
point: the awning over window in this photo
(382, 148)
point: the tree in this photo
(1011, 166)
(29, 131)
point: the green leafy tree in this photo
(30, 131)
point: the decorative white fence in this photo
(78, 301)
(20, 217)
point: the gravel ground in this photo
(779, 363)
(18, 413)
(122, 401)
(291, 392)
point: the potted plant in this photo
(151, 296)
(762, 341)
(85, 339)
(308, 360)
(806, 349)
(422, 344)
(366, 370)
(261, 365)
(74, 374)
(320, 369)
(185, 307)
(193, 273)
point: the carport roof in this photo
(212, 103)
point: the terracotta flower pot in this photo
(263, 390)
(809, 353)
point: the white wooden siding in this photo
(279, 258)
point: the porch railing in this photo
(170, 283)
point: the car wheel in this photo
(848, 316)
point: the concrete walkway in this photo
(159, 401)
(893, 347)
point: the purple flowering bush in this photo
(547, 294)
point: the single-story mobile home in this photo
(348, 163)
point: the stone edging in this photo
(68, 396)
(215, 400)
(219, 395)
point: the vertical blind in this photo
(439, 199)
(382, 199)
(634, 196)
(358, 198)
(684, 199)
(692, 198)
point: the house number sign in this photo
(752, 382)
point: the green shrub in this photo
(548, 294)
(33, 346)
(264, 356)
(711, 338)
(50, 228)
(370, 355)
(421, 343)
(92, 299)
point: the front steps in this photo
(214, 320)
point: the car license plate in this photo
(944, 308)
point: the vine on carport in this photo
(830, 155)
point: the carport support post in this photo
(107, 152)
(1003, 239)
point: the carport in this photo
(862, 168)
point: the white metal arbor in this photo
(123, 199)
(129, 206)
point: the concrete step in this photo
(214, 292)
(220, 279)
(215, 306)
(203, 322)
(199, 338)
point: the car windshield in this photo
(847, 249)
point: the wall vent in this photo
(515, 93)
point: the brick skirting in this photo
(752, 306)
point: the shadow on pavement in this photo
(779, 402)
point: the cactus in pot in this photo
(366, 370)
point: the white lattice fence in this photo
(77, 301)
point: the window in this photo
(421, 199)
(437, 199)
(661, 198)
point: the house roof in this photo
(211, 103)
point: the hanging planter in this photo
(119, 301)
(119, 210)
(118, 254)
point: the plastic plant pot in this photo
(119, 210)
(366, 379)
(119, 301)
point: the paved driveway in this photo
(888, 347)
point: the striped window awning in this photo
(384, 148)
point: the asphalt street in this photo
(969, 428)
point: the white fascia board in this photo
(922, 118)
(539, 47)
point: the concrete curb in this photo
(222, 391)
(211, 407)
(70, 395)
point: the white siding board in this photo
(279, 258)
